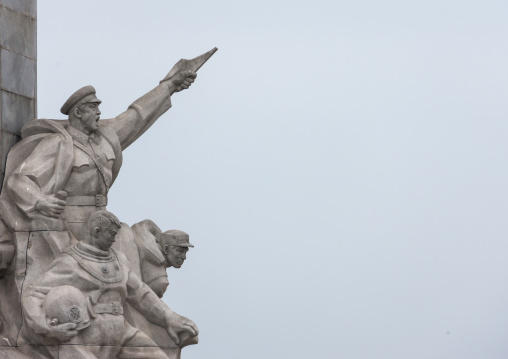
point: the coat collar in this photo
(91, 250)
(80, 136)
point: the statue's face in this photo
(175, 255)
(90, 115)
(104, 238)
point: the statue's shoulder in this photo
(122, 258)
(64, 259)
(146, 235)
(47, 135)
(44, 127)
(63, 264)
(107, 131)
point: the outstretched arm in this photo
(156, 311)
(142, 114)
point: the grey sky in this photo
(341, 166)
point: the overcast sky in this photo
(341, 166)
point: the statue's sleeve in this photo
(141, 114)
(26, 184)
(60, 273)
(141, 297)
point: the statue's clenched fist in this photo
(183, 80)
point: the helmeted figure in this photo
(106, 281)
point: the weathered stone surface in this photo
(11, 285)
(156, 251)
(17, 70)
(7, 140)
(17, 73)
(16, 112)
(79, 301)
(10, 310)
(18, 32)
(12, 353)
(28, 7)
(59, 176)
(64, 291)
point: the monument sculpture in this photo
(105, 282)
(158, 251)
(150, 252)
(75, 282)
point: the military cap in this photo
(177, 238)
(83, 95)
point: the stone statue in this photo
(64, 256)
(6, 248)
(106, 281)
(158, 251)
(150, 252)
(61, 171)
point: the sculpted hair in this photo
(102, 219)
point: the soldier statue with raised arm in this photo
(56, 235)
(61, 171)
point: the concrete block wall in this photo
(18, 71)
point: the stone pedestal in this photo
(18, 71)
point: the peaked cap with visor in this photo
(83, 95)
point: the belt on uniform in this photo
(98, 201)
(108, 308)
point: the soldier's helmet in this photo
(66, 304)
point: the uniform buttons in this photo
(104, 269)
(117, 267)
